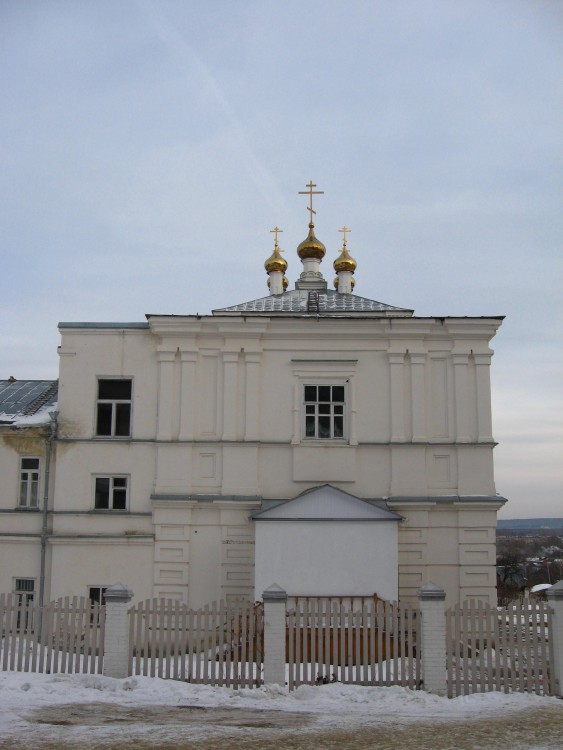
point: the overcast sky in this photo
(147, 147)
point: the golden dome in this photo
(275, 262)
(345, 262)
(311, 247)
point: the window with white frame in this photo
(113, 407)
(110, 493)
(29, 483)
(324, 411)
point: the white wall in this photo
(327, 558)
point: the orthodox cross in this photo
(311, 193)
(344, 230)
(276, 230)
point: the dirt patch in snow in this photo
(104, 714)
(99, 726)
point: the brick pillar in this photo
(555, 599)
(433, 638)
(116, 637)
(275, 601)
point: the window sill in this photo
(108, 512)
(24, 509)
(324, 441)
(111, 437)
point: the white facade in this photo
(219, 428)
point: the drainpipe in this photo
(44, 526)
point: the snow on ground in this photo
(335, 703)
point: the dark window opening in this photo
(113, 415)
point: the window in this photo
(110, 493)
(24, 588)
(29, 483)
(113, 416)
(324, 411)
(97, 594)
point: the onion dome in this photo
(311, 247)
(275, 262)
(345, 262)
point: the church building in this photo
(313, 438)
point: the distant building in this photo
(318, 439)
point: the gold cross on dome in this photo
(276, 230)
(344, 231)
(311, 193)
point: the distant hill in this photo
(531, 524)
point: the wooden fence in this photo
(66, 635)
(220, 644)
(360, 642)
(498, 649)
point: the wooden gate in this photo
(220, 644)
(498, 649)
(66, 635)
(356, 640)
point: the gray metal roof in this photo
(300, 302)
(25, 398)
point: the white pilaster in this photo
(418, 395)
(397, 375)
(252, 384)
(461, 386)
(187, 392)
(483, 379)
(230, 405)
(165, 393)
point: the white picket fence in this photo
(489, 648)
(361, 641)
(66, 635)
(220, 644)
